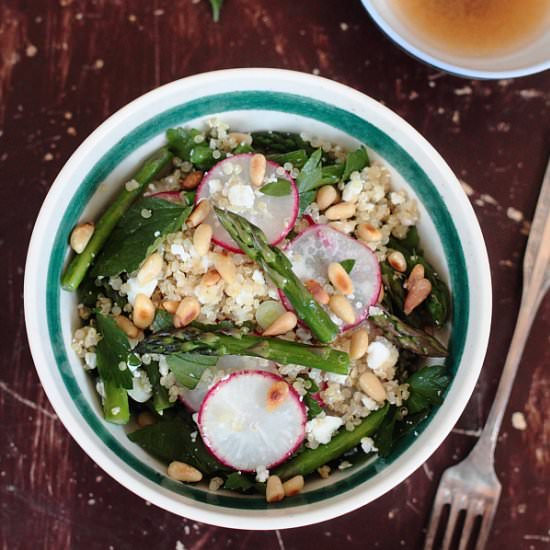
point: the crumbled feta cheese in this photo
(141, 387)
(382, 356)
(338, 378)
(241, 196)
(133, 288)
(90, 360)
(352, 190)
(262, 473)
(396, 198)
(368, 446)
(321, 428)
(214, 186)
(180, 252)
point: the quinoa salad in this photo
(258, 309)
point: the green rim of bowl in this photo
(338, 118)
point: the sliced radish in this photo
(315, 248)
(226, 365)
(170, 196)
(228, 186)
(247, 420)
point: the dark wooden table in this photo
(66, 65)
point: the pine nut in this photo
(210, 278)
(276, 394)
(326, 196)
(144, 311)
(81, 236)
(146, 418)
(225, 267)
(340, 278)
(150, 269)
(417, 273)
(257, 169)
(341, 211)
(371, 386)
(192, 180)
(286, 322)
(126, 326)
(416, 294)
(180, 471)
(368, 233)
(188, 310)
(199, 214)
(342, 308)
(202, 238)
(239, 138)
(274, 491)
(170, 305)
(397, 261)
(344, 227)
(317, 291)
(293, 486)
(359, 344)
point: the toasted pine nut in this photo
(326, 196)
(192, 180)
(188, 310)
(146, 418)
(417, 273)
(199, 214)
(317, 291)
(339, 278)
(225, 267)
(397, 261)
(274, 491)
(210, 278)
(344, 227)
(144, 311)
(202, 238)
(180, 471)
(341, 211)
(276, 394)
(287, 321)
(342, 308)
(126, 326)
(239, 138)
(359, 344)
(170, 305)
(81, 236)
(293, 486)
(371, 385)
(257, 168)
(416, 294)
(150, 269)
(368, 233)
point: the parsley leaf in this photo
(188, 367)
(426, 387)
(355, 161)
(347, 265)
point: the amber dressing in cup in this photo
(475, 27)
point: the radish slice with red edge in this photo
(241, 427)
(227, 364)
(315, 248)
(228, 186)
(170, 196)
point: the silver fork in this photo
(471, 488)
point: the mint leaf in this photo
(279, 188)
(311, 174)
(237, 481)
(296, 158)
(355, 162)
(347, 265)
(135, 237)
(188, 367)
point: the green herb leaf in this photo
(384, 437)
(111, 351)
(331, 174)
(181, 142)
(188, 367)
(240, 482)
(279, 188)
(313, 407)
(347, 265)
(170, 439)
(311, 174)
(296, 158)
(160, 393)
(355, 162)
(216, 9)
(136, 237)
(426, 387)
(162, 321)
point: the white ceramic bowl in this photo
(252, 99)
(533, 57)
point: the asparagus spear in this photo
(254, 244)
(192, 339)
(407, 337)
(279, 142)
(311, 459)
(79, 265)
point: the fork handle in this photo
(536, 280)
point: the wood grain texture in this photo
(66, 65)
